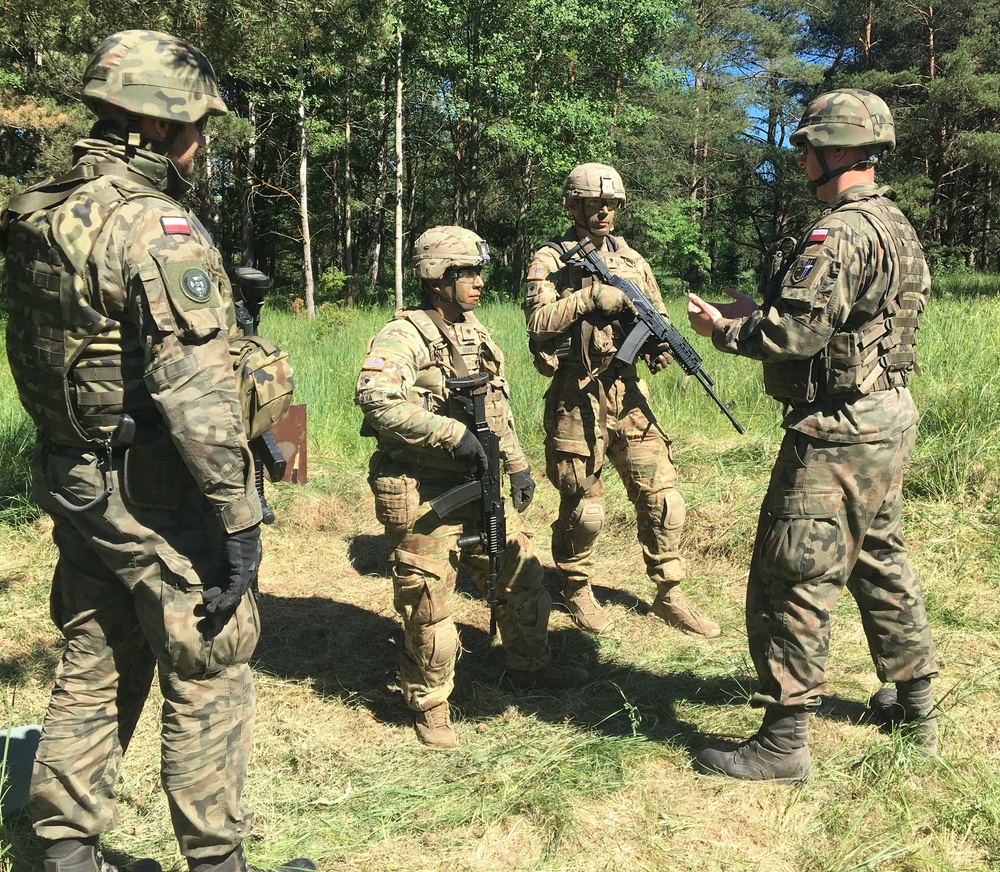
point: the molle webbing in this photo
(870, 353)
(892, 331)
(65, 352)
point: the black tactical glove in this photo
(243, 554)
(470, 449)
(522, 489)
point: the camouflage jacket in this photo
(146, 328)
(401, 390)
(838, 279)
(564, 334)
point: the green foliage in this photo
(673, 235)
(330, 286)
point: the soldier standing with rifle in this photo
(433, 392)
(121, 326)
(836, 337)
(596, 408)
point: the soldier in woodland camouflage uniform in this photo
(836, 337)
(118, 339)
(426, 447)
(597, 408)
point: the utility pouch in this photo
(154, 474)
(265, 381)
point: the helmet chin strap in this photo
(829, 175)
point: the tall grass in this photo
(959, 434)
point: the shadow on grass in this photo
(350, 652)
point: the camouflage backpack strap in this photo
(52, 192)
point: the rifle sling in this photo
(448, 332)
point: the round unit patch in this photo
(196, 286)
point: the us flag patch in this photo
(374, 363)
(175, 224)
(819, 235)
(536, 272)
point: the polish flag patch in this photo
(818, 235)
(175, 224)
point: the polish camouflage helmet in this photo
(152, 74)
(593, 180)
(448, 247)
(847, 118)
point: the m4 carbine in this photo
(646, 329)
(471, 391)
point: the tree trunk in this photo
(378, 222)
(307, 267)
(399, 166)
(348, 266)
(246, 201)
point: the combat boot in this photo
(585, 611)
(779, 751)
(909, 705)
(671, 607)
(434, 727)
(62, 857)
(237, 862)
(550, 677)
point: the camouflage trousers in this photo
(832, 518)
(425, 559)
(125, 595)
(610, 419)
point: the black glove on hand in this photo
(522, 489)
(243, 554)
(469, 450)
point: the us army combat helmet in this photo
(593, 180)
(847, 118)
(448, 247)
(152, 74)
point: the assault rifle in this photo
(647, 328)
(252, 285)
(471, 391)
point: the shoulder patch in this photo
(536, 272)
(803, 268)
(818, 235)
(196, 286)
(376, 364)
(175, 224)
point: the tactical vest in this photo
(67, 354)
(591, 343)
(870, 352)
(455, 350)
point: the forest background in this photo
(356, 125)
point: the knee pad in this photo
(674, 510)
(587, 519)
(443, 647)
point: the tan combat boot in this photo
(434, 727)
(585, 611)
(672, 608)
